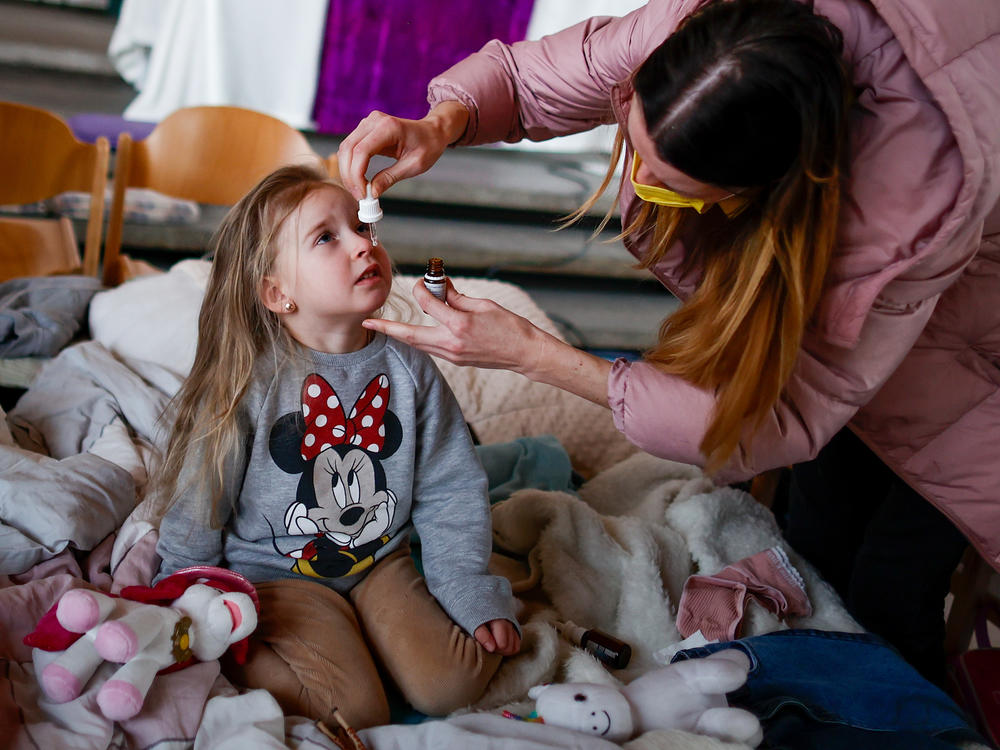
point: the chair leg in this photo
(969, 587)
(764, 485)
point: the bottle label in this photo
(601, 653)
(437, 287)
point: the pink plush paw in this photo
(78, 611)
(116, 642)
(119, 700)
(59, 683)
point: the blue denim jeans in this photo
(840, 691)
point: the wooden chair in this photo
(972, 587)
(37, 247)
(207, 154)
(39, 158)
(764, 486)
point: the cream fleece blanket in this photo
(616, 559)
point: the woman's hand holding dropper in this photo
(474, 331)
(481, 333)
(415, 145)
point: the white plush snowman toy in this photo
(688, 695)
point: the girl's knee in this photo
(360, 711)
(440, 692)
(310, 687)
(366, 708)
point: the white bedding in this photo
(614, 558)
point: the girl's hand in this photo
(415, 145)
(499, 637)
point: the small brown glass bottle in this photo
(435, 279)
(606, 648)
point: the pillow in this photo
(154, 317)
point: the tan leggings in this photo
(313, 651)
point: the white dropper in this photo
(369, 211)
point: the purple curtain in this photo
(380, 54)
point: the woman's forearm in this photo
(450, 118)
(554, 362)
(476, 332)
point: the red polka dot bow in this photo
(326, 424)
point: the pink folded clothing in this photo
(715, 604)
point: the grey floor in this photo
(488, 211)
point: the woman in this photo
(811, 180)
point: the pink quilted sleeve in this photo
(558, 85)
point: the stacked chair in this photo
(40, 158)
(210, 155)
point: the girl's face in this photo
(327, 266)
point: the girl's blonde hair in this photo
(234, 329)
(749, 94)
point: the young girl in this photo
(302, 449)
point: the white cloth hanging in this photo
(257, 54)
(550, 16)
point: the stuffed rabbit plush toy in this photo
(144, 638)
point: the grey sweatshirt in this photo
(342, 453)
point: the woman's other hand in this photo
(499, 637)
(415, 145)
(481, 333)
(473, 331)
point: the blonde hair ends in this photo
(234, 330)
(761, 277)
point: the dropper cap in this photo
(570, 630)
(369, 211)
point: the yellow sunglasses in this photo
(732, 204)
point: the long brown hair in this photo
(234, 329)
(750, 94)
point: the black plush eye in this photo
(579, 697)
